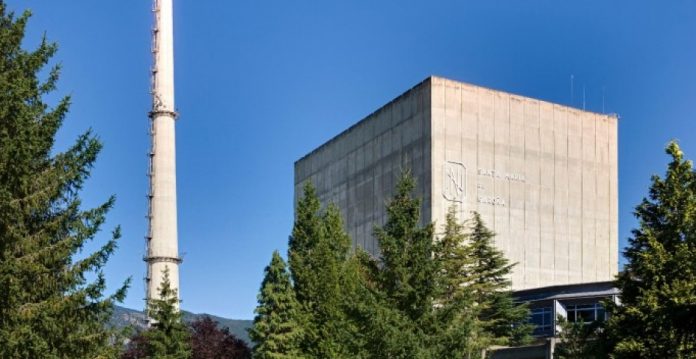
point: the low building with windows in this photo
(575, 302)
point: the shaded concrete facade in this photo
(543, 176)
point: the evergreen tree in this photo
(398, 301)
(502, 320)
(579, 340)
(327, 312)
(208, 341)
(408, 270)
(276, 331)
(48, 308)
(475, 307)
(458, 329)
(320, 261)
(306, 231)
(168, 337)
(657, 314)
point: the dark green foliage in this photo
(324, 278)
(333, 330)
(305, 232)
(455, 260)
(458, 329)
(48, 309)
(579, 340)
(277, 332)
(448, 298)
(475, 308)
(657, 315)
(168, 337)
(421, 299)
(501, 318)
(398, 309)
(407, 271)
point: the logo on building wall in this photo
(454, 186)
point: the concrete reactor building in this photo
(543, 176)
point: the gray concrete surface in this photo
(542, 175)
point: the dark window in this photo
(588, 313)
(542, 320)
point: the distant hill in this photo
(123, 317)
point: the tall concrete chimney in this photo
(162, 243)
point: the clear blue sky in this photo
(261, 83)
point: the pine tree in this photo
(502, 320)
(455, 310)
(320, 261)
(276, 331)
(579, 340)
(407, 270)
(657, 314)
(48, 308)
(305, 232)
(333, 329)
(168, 337)
(397, 309)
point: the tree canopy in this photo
(168, 337)
(324, 275)
(48, 306)
(657, 314)
(276, 331)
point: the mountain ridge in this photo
(123, 317)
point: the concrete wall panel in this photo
(543, 176)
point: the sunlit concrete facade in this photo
(543, 176)
(162, 238)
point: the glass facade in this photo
(587, 313)
(575, 302)
(542, 318)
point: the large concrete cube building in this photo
(543, 176)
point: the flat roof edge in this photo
(366, 118)
(611, 114)
(567, 288)
(428, 80)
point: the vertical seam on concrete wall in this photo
(596, 195)
(493, 96)
(373, 200)
(509, 209)
(525, 192)
(567, 207)
(429, 121)
(478, 129)
(509, 155)
(607, 203)
(610, 221)
(540, 155)
(582, 199)
(423, 121)
(460, 216)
